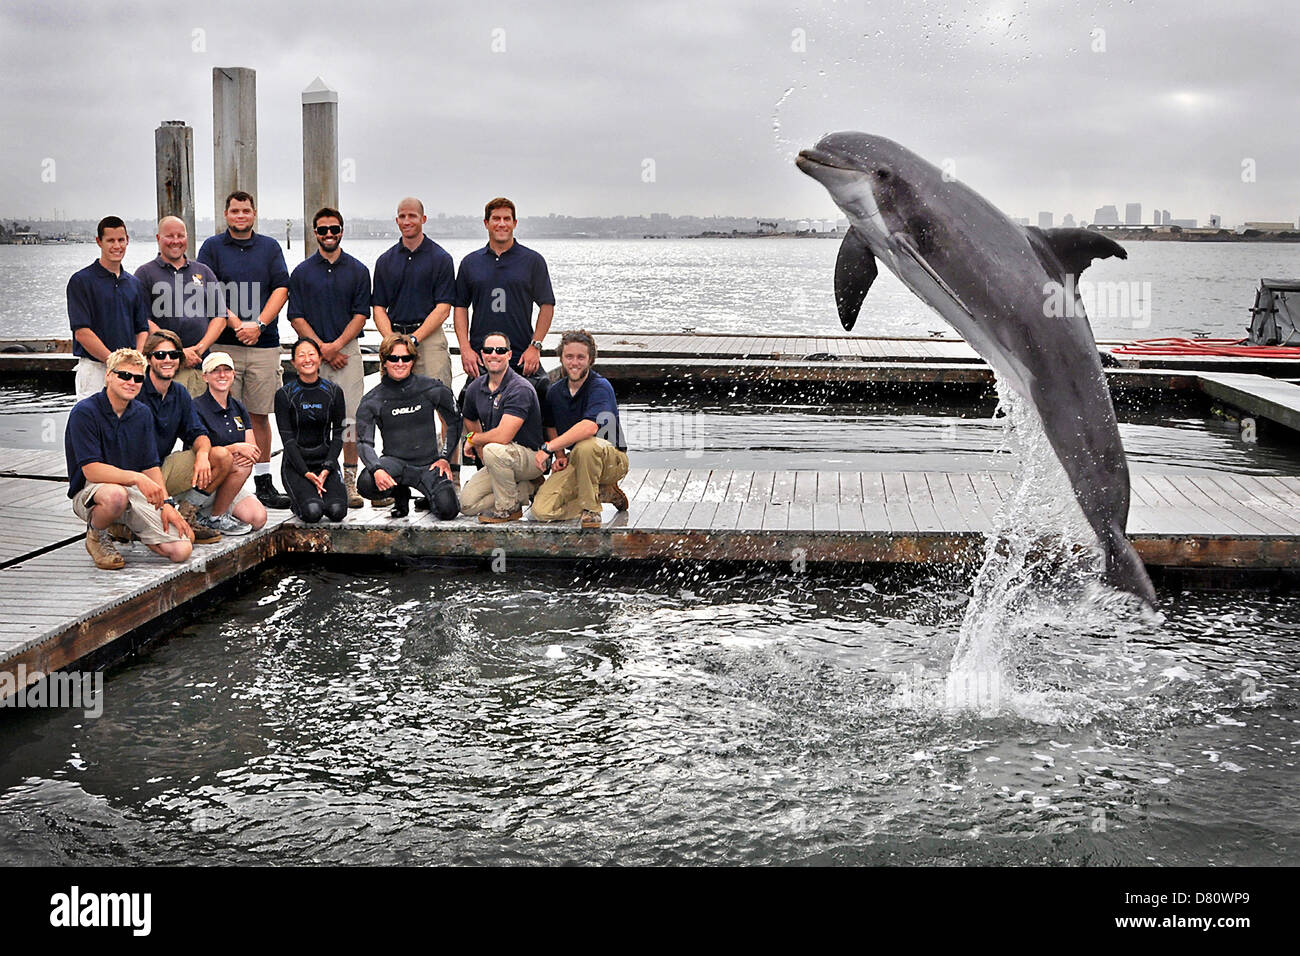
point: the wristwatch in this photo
(537, 345)
(547, 448)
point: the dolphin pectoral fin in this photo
(905, 243)
(1075, 248)
(855, 270)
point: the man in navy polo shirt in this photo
(503, 424)
(329, 300)
(256, 280)
(415, 283)
(108, 308)
(501, 282)
(113, 468)
(186, 298)
(583, 438)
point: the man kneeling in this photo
(405, 407)
(113, 469)
(584, 440)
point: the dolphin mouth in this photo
(810, 158)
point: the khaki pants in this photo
(503, 483)
(90, 377)
(178, 471)
(140, 516)
(191, 379)
(258, 376)
(592, 462)
(434, 359)
(350, 378)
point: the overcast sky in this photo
(1040, 106)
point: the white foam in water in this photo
(1041, 576)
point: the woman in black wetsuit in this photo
(309, 413)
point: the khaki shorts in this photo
(140, 516)
(434, 359)
(351, 378)
(258, 376)
(191, 379)
(178, 471)
(90, 377)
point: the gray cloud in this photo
(562, 120)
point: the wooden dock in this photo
(57, 608)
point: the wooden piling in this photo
(320, 156)
(173, 144)
(234, 135)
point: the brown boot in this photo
(590, 519)
(613, 495)
(120, 532)
(203, 534)
(350, 485)
(501, 517)
(103, 551)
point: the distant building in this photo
(1133, 214)
(1267, 226)
(765, 227)
(1044, 220)
(1184, 223)
(1106, 216)
(1068, 221)
(1165, 218)
(1216, 221)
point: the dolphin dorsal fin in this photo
(855, 270)
(1075, 248)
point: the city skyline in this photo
(661, 107)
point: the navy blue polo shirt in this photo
(250, 269)
(184, 300)
(410, 284)
(501, 291)
(515, 397)
(96, 433)
(224, 426)
(595, 401)
(173, 416)
(328, 294)
(114, 307)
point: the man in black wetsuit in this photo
(406, 408)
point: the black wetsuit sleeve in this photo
(286, 421)
(446, 405)
(367, 416)
(335, 427)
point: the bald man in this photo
(186, 299)
(415, 283)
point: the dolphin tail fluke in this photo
(855, 270)
(1124, 569)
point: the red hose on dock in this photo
(1225, 347)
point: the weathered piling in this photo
(234, 134)
(173, 144)
(320, 156)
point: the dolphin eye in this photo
(882, 175)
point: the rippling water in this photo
(448, 714)
(749, 286)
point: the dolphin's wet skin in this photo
(435, 714)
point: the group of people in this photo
(187, 352)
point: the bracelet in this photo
(469, 439)
(170, 501)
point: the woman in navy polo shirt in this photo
(227, 423)
(309, 413)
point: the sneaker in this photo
(350, 485)
(204, 532)
(228, 524)
(268, 495)
(103, 552)
(590, 519)
(501, 517)
(613, 494)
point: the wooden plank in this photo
(805, 487)
(1247, 520)
(697, 479)
(716, 488)
(1188, 513)
(653, 482)
(701, 515)
(950, 516)
(897, 508)
(1257, 497)
(776, 516)
(738, 489)
(828, 486)
(850, 483)
(673, 485)
(874, 512)
(968, 503)
(726, 516)
(783, 487)
(800, 516)
(826, 515)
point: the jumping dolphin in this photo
(990, 279)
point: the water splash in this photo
(1041, 578)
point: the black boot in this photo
(267, 494)
(401, 502)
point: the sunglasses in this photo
(129, 376)
(495, 349)
(401, 358)
(166, 354)
(329, 230)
